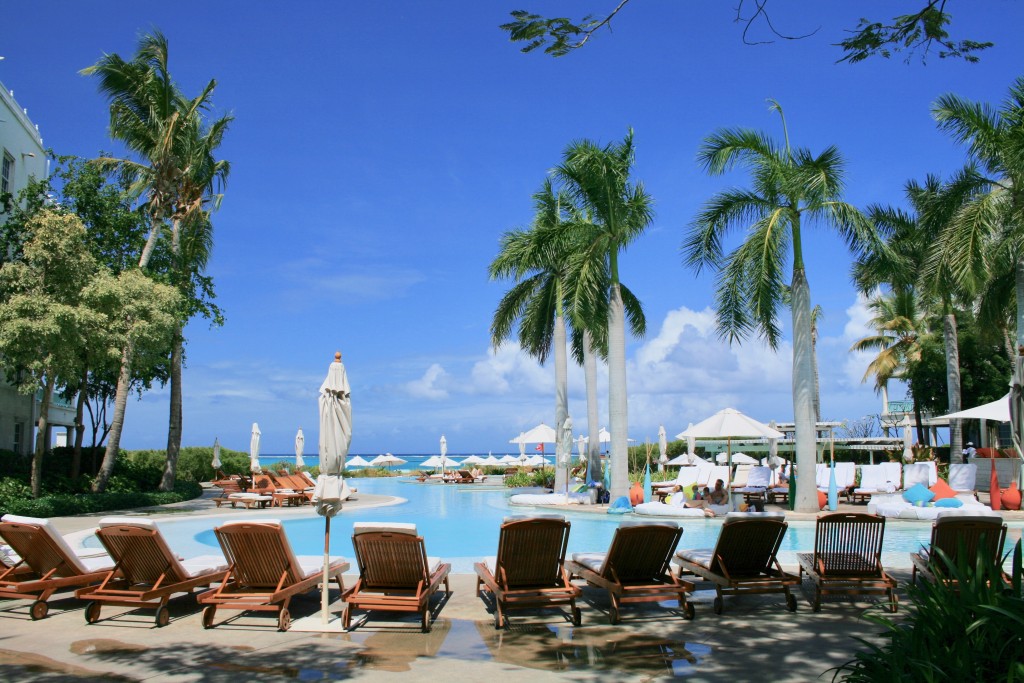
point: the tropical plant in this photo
(175, 170)
(791, 188)
(966, 628)
(537, 301)
(598, 180)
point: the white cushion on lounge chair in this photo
(204, 564)
(592, 561)
(701, 556)
(661, 509)
(963, 476)
(133, 521)
(312, 564)
(759, 477)
(757, 515)
(84, 565)
(391, 527)
(893, 474)
(919, 473)
(234, 522)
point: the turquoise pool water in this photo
(460, 524)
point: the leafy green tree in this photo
(918, 32)
(790, 188)
(598, 180)
(44, 321)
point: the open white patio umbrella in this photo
(300, 445)
(254, 453)
(491, 460)
(215, 463)
(356, 461)
(681, 459)
(377, 461)
(737, 459)
(511, 459)
(908, 451)
(388, 460)
(335, 439)
(730, 424)
(474, 460)
(662, 448)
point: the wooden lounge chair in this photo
(395, 574)
(146, 573)
(263, 572)
(743, 560)
(636, 567)
(953, 534)
(847, 558)
(52, 565)
(529, 570)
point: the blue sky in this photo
(380, 150)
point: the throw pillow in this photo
(918, 494)
(948, 503)
(822, 500)
(942, 490)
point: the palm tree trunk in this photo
(83, 396)
(593, 429)
(40, 451)
(817, 383)
(618, 417)
(116, 423)
(803, 394)
(174, 420)
(1019, 280)
(950, 340)
(123, 380)
(561, 394)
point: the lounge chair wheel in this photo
(791, 603)
(498, 620)
(284, 620)
(425, 622)
(208, 615)
(688, 612)
(92, 612)
(718, 605)
(577, 616)
(163, 616)
(39, 610)
(613, 616)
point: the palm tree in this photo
(900, 328)
(991, 219)
(790, 187)
(201, 174)
(598, 180)
(537, 301)
(151, 117)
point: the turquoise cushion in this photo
(948, 503)
(918, 494)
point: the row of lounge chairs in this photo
(266, 490)
(259, 572)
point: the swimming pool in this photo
(460, 524)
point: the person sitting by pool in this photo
(719, 496)
(701, 499)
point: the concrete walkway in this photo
(755, 638)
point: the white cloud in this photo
(431, 385)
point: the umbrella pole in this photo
(327, 564)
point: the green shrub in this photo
(64, 504)
(971, 631)
(519, 480)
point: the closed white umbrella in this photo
(254, 451)
(581, 446)
(300, 444)
(215, 463)
(691, 445)
(335, 439)
(444, 452)
(908, 451)
(522, 448)
(662, 448)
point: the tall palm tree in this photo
(201, 176)
(791, 188)
(598, 179)
(991, 220)
(151, 117)
(537, 301)
(899, 329)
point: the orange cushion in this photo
(822, 500)
(942, 490)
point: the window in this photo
(19, 429)
(6, 173)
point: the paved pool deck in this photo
(755, 638)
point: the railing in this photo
(900, 407)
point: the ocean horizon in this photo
(413, 460)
